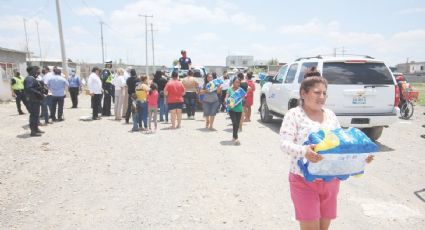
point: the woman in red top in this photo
(249, 97)
(174, 91)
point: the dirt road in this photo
(98, 175)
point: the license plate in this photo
(359, 100)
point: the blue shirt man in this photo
(74, 88)
(57, 85)
(74, 80)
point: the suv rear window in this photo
(341, 73)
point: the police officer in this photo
(17, 84)
(107, 78)
(35, 91)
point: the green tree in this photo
(175, 62)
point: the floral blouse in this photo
(296, 127)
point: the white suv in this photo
(361, 91)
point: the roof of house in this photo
(11, 50)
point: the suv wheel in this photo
(264, 111)
(373, 133)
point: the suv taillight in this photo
(397, 96)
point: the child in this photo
(153, 105)
(134, 110)
(142, 90)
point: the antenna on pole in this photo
(39, 44)
(26, 39)
(101, 40)
(146, 39)
(153, 46)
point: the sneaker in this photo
(237, 142)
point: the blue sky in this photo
(212, 29)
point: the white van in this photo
(361, 91)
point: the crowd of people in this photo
(139, 98)
(146, 101)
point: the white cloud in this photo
(207, 37)
(169, 13)
(77, 30)
(90, 11)
(411, 11)
(312, 27)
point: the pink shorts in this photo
(313, 200)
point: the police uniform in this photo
(34, 92)
(107, 78)
(17, 83)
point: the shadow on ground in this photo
(23, 136)
(228, 143)
(383, 148)
(274, 125)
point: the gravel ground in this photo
(98, 175)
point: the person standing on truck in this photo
(185, 62)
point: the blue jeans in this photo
(163, 109)
(143, 113)
(190, 101)
(135, 122)
(46, 105)
(57, 102)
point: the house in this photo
(239, 61)
(11, 61)
(412, 67)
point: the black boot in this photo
(39, 131)
(35, 134)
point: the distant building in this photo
(239, 61)
(412, 67)
(11, 61)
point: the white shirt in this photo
(296, 127)
(94, 84)
(226, 84)
(119, 82)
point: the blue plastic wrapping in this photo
(214, 84)
(262, 76)
(236, 98)
(344, 154)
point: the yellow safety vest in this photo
(109, 80)
(19, 83)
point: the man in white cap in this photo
(75, 86)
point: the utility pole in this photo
(153, 47)
(39, 45)
(26, 39)
(101, 40)
(146, 38)
(64, 61)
